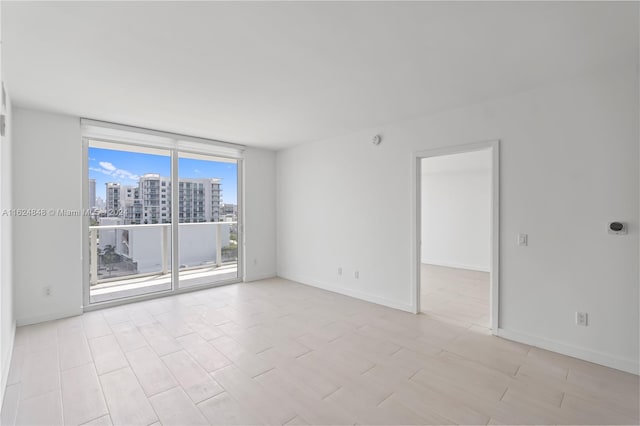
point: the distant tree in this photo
(109, 257)
(230, 252)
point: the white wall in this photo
(7, 317)
(259, 214)
(569, 164)
(456, 210)
(47, 174)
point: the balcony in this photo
(131, 260)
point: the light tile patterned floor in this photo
(456, 295)
(277, 352)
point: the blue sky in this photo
(106, 165)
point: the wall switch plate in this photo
(46, 291)
(339, 270)
(582, 318)
(356, 274)
(523, 240)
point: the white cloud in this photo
(125, 174)
(103, 171)
(107, 165)
(118, 174)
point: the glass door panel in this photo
(208, 220)
(130, 221)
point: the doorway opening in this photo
(457, 234)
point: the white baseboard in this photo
(351, 293)
(6, 367)
(259, 277)
(457, 266)
(49, 317)
(608, 360)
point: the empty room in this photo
(319, 213)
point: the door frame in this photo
(416, 212)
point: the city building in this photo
(113, 199)
(100, 203)
(199, 200)
(230, 210)
(92, 194)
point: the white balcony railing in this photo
(133, 251)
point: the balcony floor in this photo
(137, 285)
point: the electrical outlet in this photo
(356, 274)
(523, 240)
(582, 318)
(46, 291)
(339, 270)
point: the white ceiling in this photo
(277, 74)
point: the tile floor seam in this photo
(331, 393)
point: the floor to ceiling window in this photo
(208, 230)
(162, 213)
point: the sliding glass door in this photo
(208, 215)
(160, 220)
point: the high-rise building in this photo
(199, 199)
(150, 202)
(113, 202)
(154, 199)
(215, 200)
(128, 197)
(92, 193)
